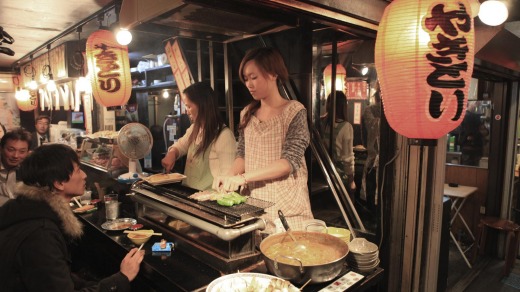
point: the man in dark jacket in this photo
(36, 227)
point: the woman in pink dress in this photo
(273, 136)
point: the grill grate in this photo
(252, 207)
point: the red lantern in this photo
(341, 74)
(109, 69)
(27, 100)
(424, 59)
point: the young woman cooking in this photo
(209, 144)
(273, 136)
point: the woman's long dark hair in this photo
(341, 108)
(269, 61)
(208, 118)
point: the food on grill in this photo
(223, 199)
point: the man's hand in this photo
(130, 264)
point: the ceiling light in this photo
(493, 12)
(165, 94)
(364, 70)
(124, 36)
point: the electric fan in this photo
(135, 142)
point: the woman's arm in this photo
(180, 148)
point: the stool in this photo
(512, 240)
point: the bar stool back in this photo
(513, 239)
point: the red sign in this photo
(356, 90)
(109, 69)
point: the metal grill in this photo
(251, 208)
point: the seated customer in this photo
(14, 147)
(42, 131)
(37, 226)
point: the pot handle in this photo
(284, 221)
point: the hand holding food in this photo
(231, 183)
(223, 199)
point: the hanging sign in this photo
(109, 69)
(179, 66)
(424, 59)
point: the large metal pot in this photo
(293, 269)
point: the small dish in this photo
(141, 237)
(118, 224)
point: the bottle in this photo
(452, 143)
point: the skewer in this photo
(142, 244)
(142, 232)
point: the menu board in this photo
(357, 89)
(180, 69)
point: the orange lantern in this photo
(424, 59)
(109, 69)
(27, 100)
(341, 74)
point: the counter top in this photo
(179, 271)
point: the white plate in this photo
(245, 282)
(118, 224)
(164, 178)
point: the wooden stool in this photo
(512, 240)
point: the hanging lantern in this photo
(109, 69)
(341, 74)
(424, 59)
(27, 100)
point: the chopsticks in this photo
(77, 202)
(142, 232)
(142, 244)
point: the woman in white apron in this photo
(273, 137)
(209, 144)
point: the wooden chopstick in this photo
(77, 202)
(142, 244)
(141, 232)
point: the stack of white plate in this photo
(363, 255)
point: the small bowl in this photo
(341, 233)
(139, 239)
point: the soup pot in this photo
(294, 268)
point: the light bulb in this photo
(493, 12)
(123, 36)
(364, 70)
(51, 85)
(165, 94)
(33, 85)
